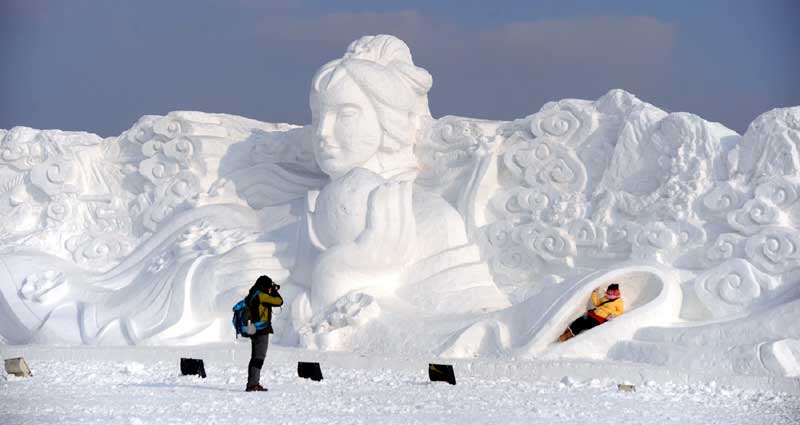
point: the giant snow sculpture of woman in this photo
(373, 230)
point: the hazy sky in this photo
(99, 65)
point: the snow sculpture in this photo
(391, 230)
(371, 224)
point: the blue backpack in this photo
(242, 318)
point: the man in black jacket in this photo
(261, 298)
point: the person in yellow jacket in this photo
(605, 308)
(262, 297)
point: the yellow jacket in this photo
(615, 307)
(265, 304)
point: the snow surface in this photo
(142, 385)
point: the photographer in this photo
(261, 298)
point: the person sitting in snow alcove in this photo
(606, 308)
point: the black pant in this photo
(583, 323)
(258, 352)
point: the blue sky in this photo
(99, 65)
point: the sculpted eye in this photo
(348, 113)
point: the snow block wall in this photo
(392, 231)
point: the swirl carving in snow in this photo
(564, 121)
(58, 211)
(585, 233)
(652, 241)
(180, 149)
(726, 247)
(96, 249)
(722, 198)
(779, 191)
(55, 176)
(522, 202)
(157, 170)
(452, 145)
(552, 244)
(732, 287)
(543, 163)
(774, 250)
(754, 215)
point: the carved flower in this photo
(45, 287)
(161, 262)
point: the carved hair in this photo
(381, 66)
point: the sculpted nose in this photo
(324, 128)
(325, 131)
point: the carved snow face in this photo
(347, 130)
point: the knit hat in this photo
(612, 292)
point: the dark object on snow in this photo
(626, 388)
(309, 370)
(18, 367)
(442, 373)
(193, 367)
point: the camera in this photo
(274, 287)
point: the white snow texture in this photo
(394, 232)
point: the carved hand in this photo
(390, 233)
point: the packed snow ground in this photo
(142, 385)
